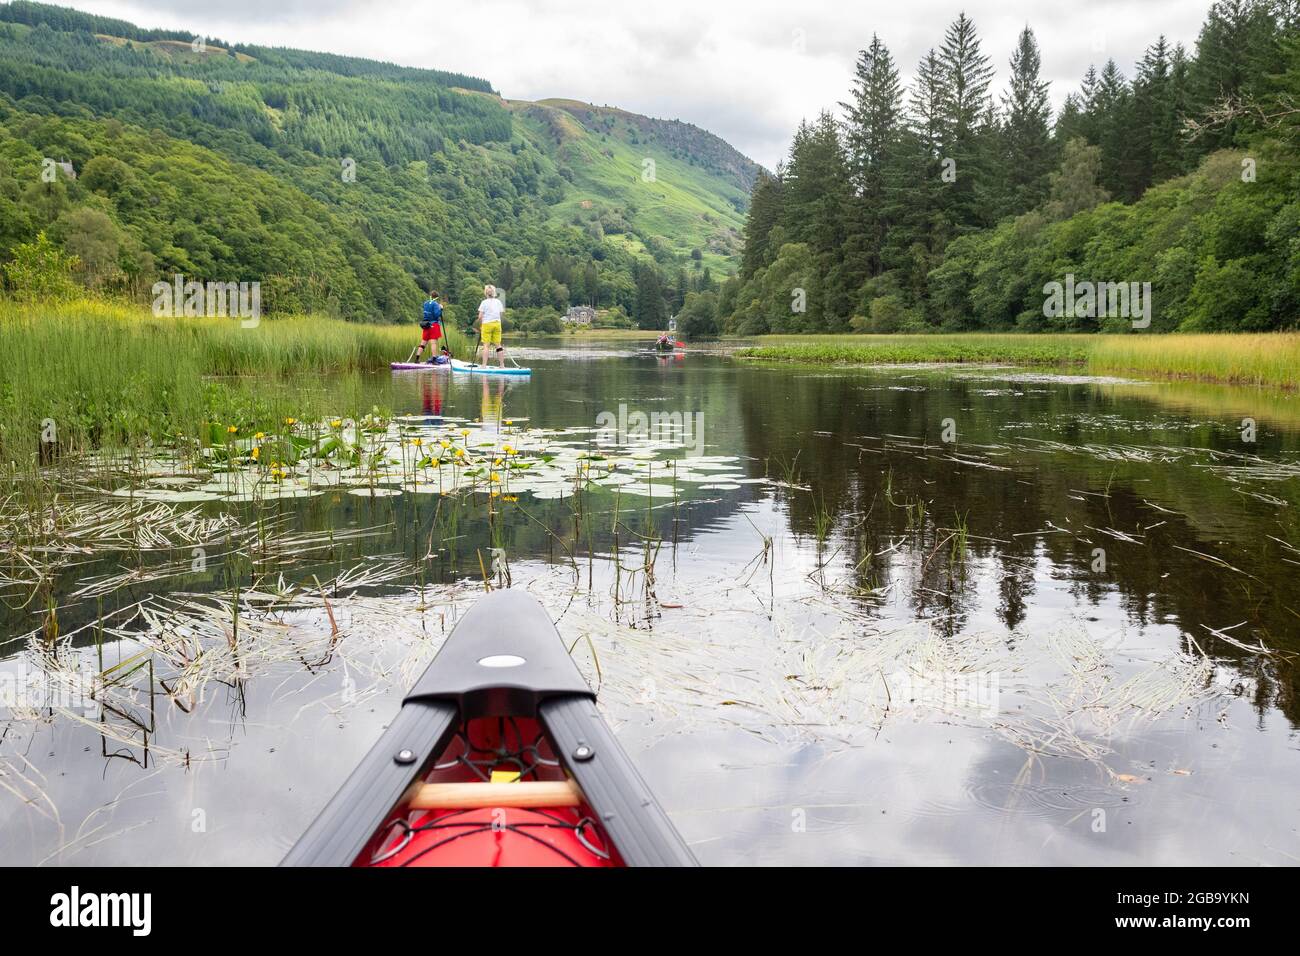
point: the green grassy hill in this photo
(693, 197)
(345, 184)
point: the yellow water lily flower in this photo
(232, 429)
(417, 442)
(337, 423)
(260, 435)
(257, 454)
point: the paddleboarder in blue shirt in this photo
(431, 330)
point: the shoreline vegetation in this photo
(1269, 359)
(114, 375)
(111, 374)
(103, 374)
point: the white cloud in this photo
(732, 67)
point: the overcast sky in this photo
(747, 70)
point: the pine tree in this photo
(650, 312)
(926, 104)
(1079, 112)
(1180, 151)
(1088, 88)
(965, 74)
(1070, 121)
(816, 186)
(1112, 114)
(926, 222)
(1159, 100)
(1281, 94)
(1238, 45)
(1027, 154)
(816, 198)
(1242, 47)
(766, 204)
(873, 150)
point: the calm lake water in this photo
(904, 615)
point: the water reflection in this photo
(1080, 492)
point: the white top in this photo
(491, 310)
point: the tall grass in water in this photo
(1266, 358)
(903, 349)
(106, 374)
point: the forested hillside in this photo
(345, 185)
(952, 203)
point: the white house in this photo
(580, 315)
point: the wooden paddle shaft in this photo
(473, 796)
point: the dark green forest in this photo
(950, 204)
(345, 186)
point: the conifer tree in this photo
(873, 148)
(1028, 155)
(766, 202)
(965, 74)
(816, 193)
(1111, 114)
(1223, 56)
(927, 223)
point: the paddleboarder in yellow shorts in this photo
(489, 324)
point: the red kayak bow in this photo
(498, 757)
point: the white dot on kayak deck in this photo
(502, 660)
